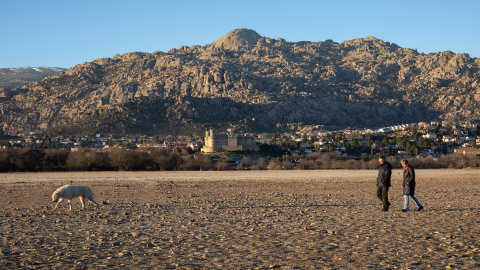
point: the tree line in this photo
(43, 160)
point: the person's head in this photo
(382, 159)
(404, 162)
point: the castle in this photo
(227, 142)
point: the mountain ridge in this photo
(251, 83)
(17, 77)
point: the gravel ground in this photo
(240, 220)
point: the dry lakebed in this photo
(321, 219)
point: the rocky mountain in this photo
(18, 77)
(249, 82)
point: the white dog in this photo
(69, 192)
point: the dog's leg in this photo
(70, 204)
(93, 201)
(56, 205)
(98, 205)
(59, 201)
(82, 200)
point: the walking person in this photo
(409, 186)
(383, 181)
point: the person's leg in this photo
(406, 199)
(416, 201)
(386, 204)
(379, 193)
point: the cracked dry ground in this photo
(240, 220)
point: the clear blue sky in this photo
(65, 33)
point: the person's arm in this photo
(387, 173)
(409, 175)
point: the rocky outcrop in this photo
(236, 40)
(247, 81)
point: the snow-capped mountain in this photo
(17, 77)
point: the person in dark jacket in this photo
(409, 185)
(383, 182)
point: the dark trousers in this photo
(382, 194)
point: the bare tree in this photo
(203, 162)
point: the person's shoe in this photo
(404, 210)
(384, 209)
(420, 208)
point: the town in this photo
(419, 139)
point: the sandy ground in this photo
(240, 220)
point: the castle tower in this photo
(209, 142)
(232, 142)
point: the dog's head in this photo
(55, 196)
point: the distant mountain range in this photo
(18, 77)
(251, 83)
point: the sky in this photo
(65, 33)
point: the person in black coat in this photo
(409, 185)
(384, 182)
